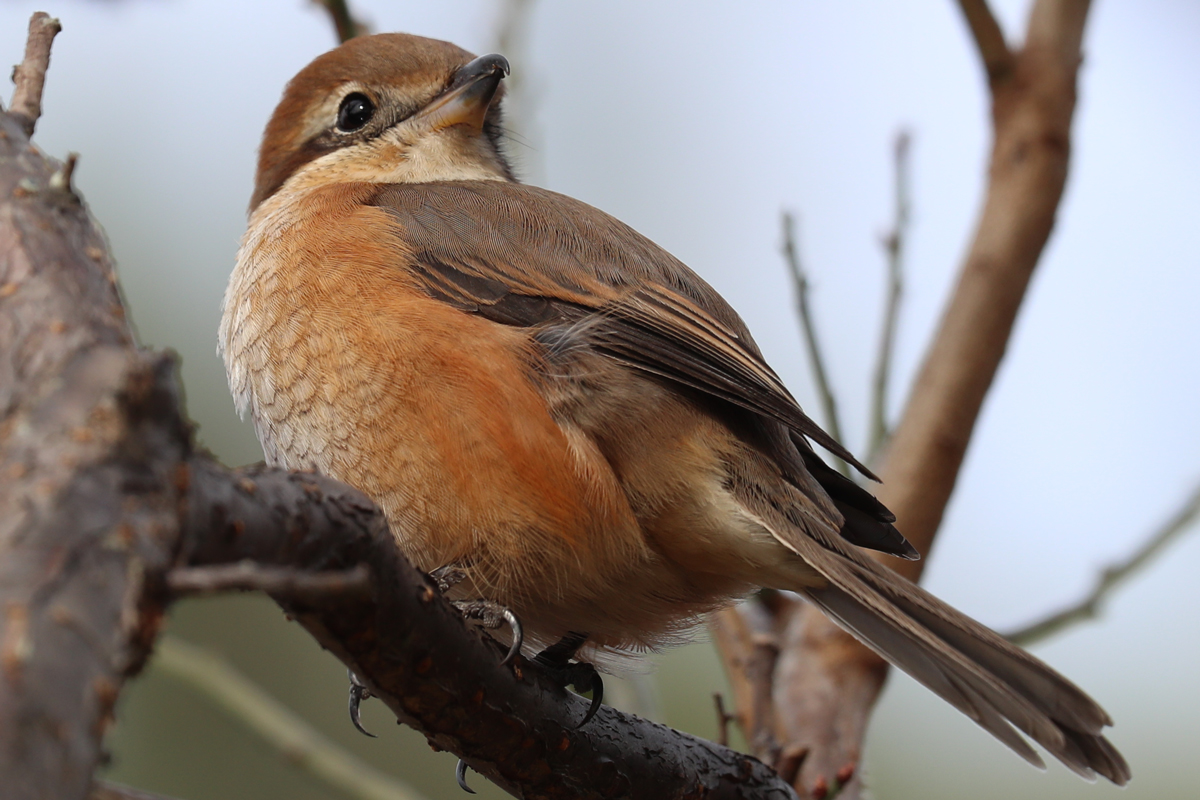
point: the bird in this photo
(550, 408)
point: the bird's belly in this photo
(436, 415)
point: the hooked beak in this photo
(470, 95)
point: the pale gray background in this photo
(696, 123)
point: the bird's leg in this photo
(447, 577)
(358, 693)
(556, 659)
(488, 613)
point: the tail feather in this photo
(973, 668)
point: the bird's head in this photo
(390, 108)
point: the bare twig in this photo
(997, 59)
(1112, 576)
(513, 25)
(842, 780)
(297, 741)
(249, 576)
(60, 181)
(791, 255)
(893, 244)
(107, 790)
(748, 647)
(345, 24)
(790, 761)
(723, 720)
(30, 75)
(521, 90)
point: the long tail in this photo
(973, 668)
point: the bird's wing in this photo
(530, 257)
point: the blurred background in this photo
(697, 124)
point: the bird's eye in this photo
(356, 111)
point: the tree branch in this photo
(512, 725)
(300, 743)
(893, 245)
(106, 790)
(30, 75)
(825, 683)
(345, 25)
(248, 576)
(998, 60)
(1111, 577)
(816, 360)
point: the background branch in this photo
(791, 254)
(283, 729)
(893, 245)
(248, 576)
(107, 790)
(998, 60)
(345, 25)
(1112, 577)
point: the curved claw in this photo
(518, 636)
(460, 775)
(597, 698)
(358, 693)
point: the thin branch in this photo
(723, 720)
(749, 649)
(30, 75)
(107, 790)
(512, 26)
(345, 25)
(893, 244)
(790, 761)
(248, 576)
(1111, 577)
(816, 360)
(998, 60)
(297, 741)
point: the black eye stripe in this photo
(355, 112)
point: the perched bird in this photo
(554, 408)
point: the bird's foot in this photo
(358, 693)
(460, 775)
(556, 660)
(486, 613)
(491, 615)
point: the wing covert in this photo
(530, 257)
